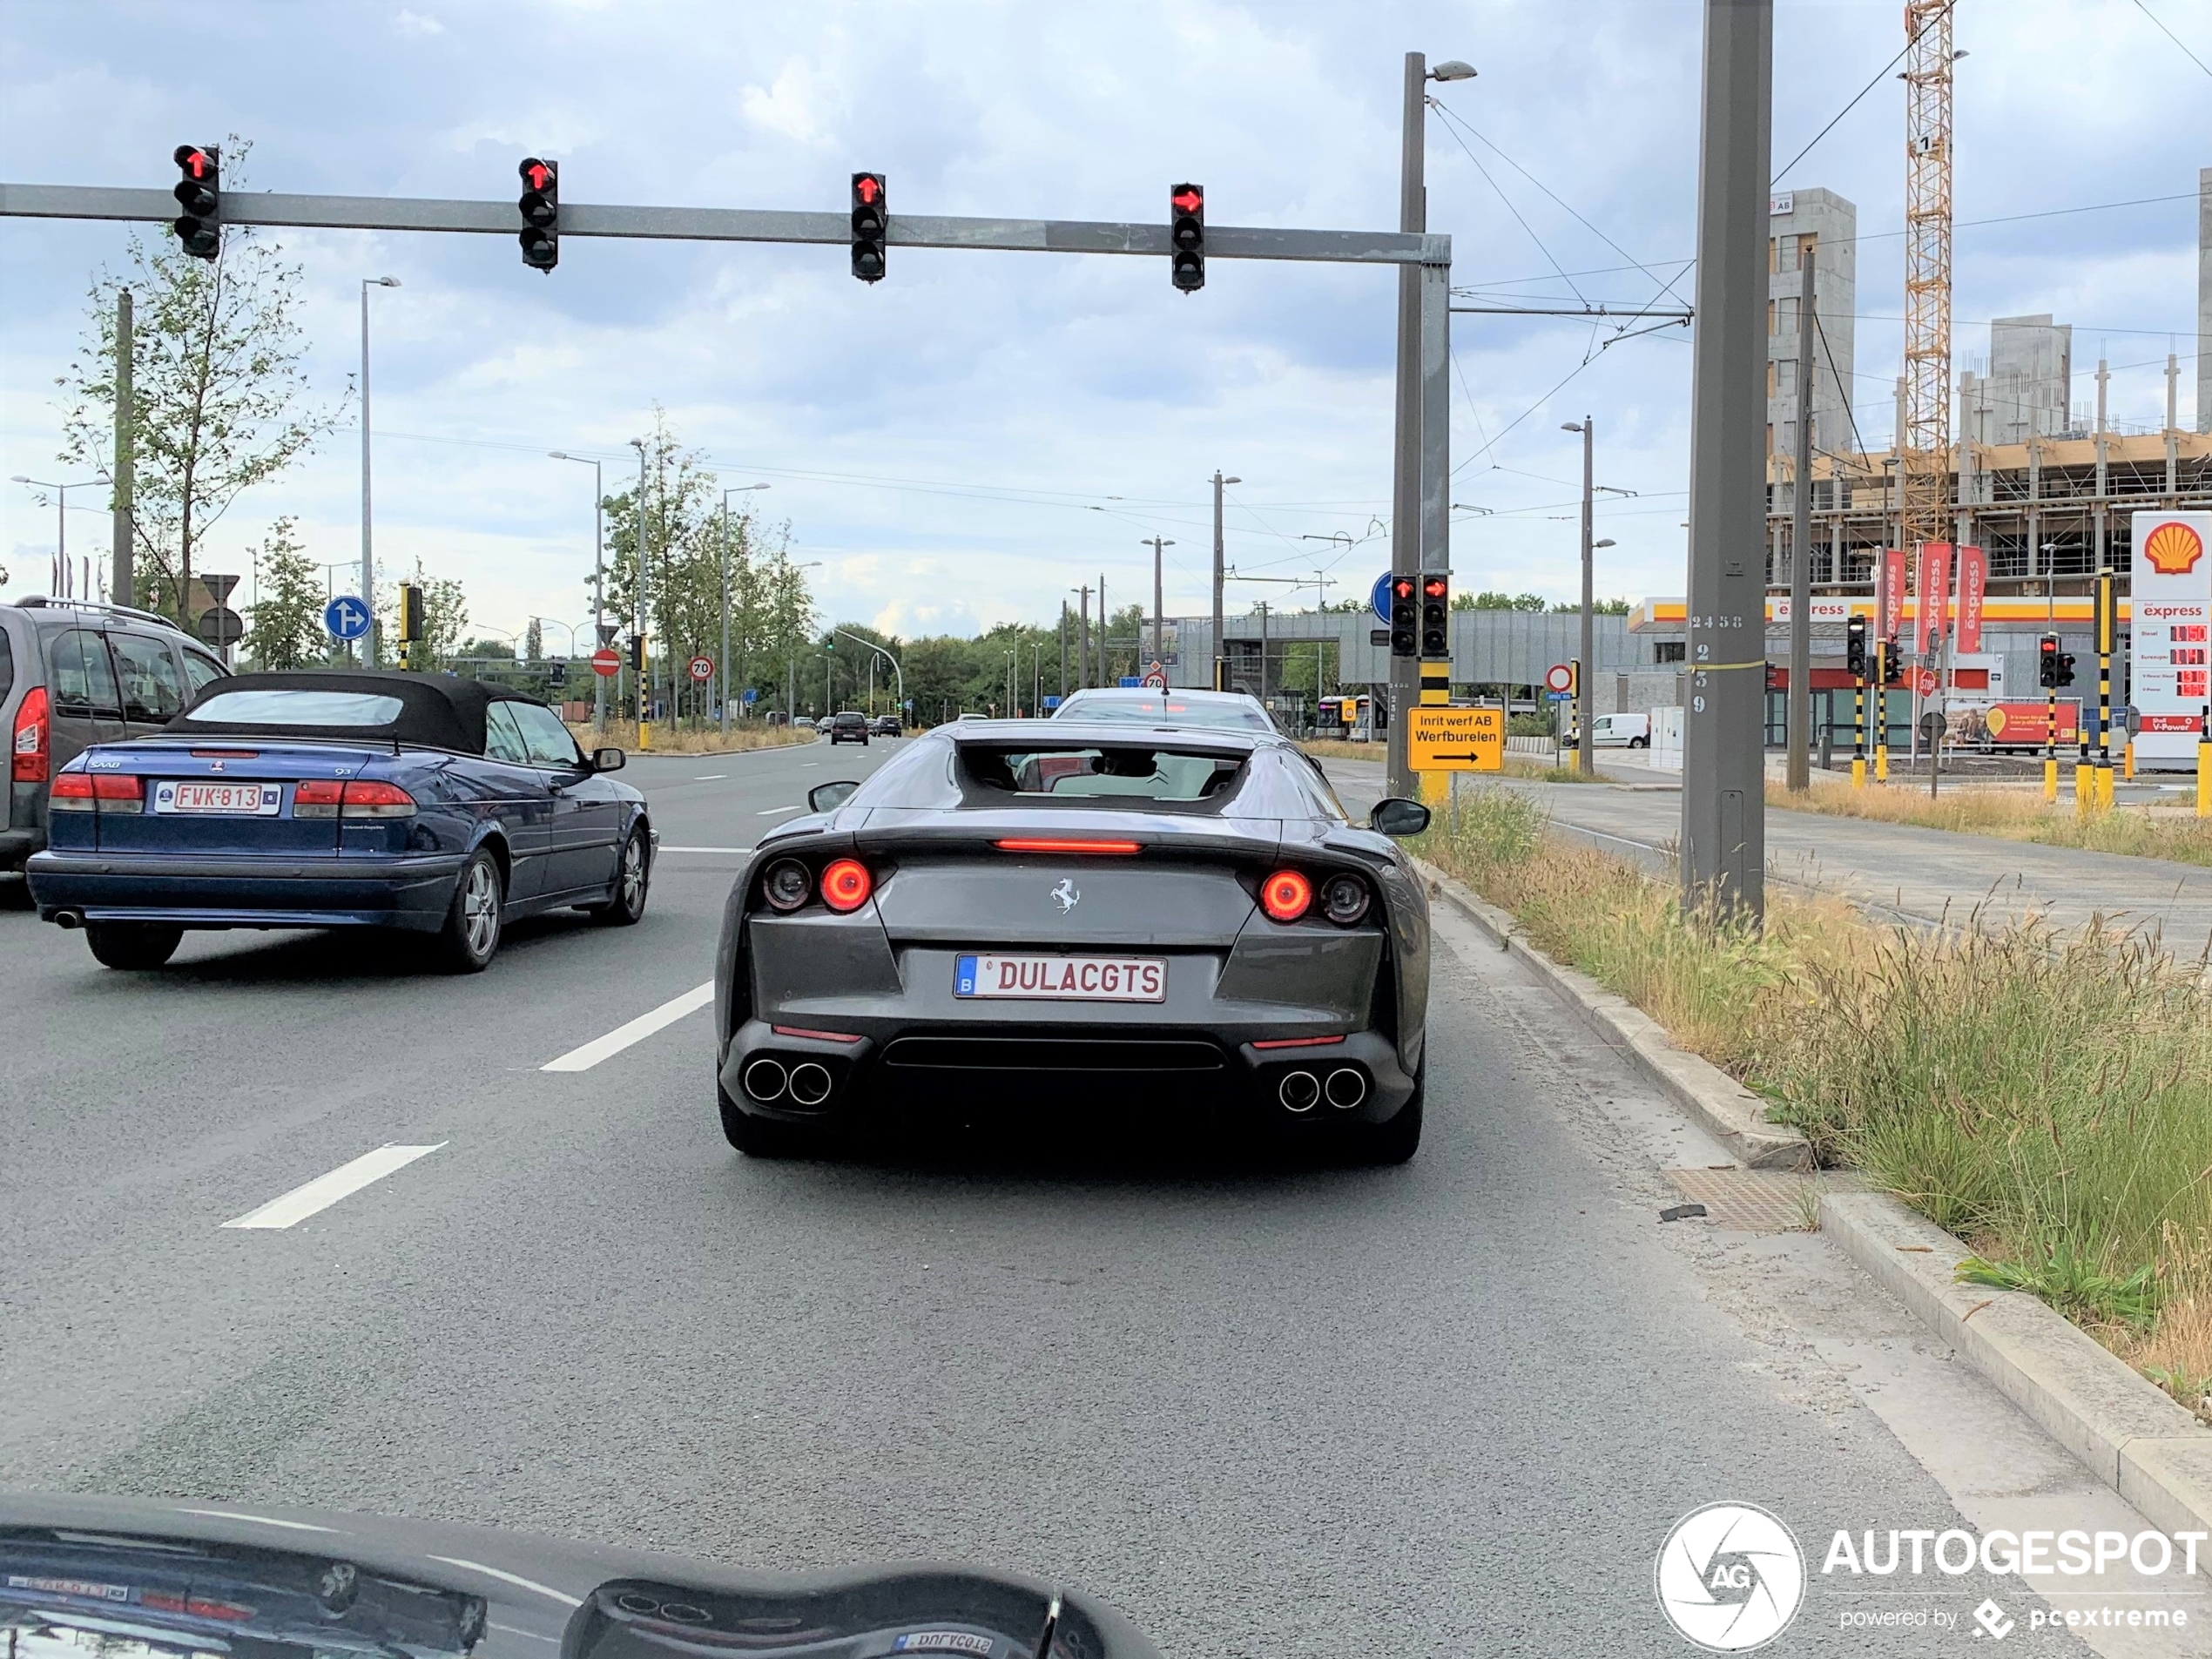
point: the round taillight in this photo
(845, 884)
(1344, 899)
(1286, 895)
(786, 884)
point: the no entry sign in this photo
(606, 662)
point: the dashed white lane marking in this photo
(664, 847)
(325, 1190)
(637, 1031)
(775, 810)
(710, 777)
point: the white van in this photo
(1621, 731)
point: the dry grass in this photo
(622, 734)
(2049, 1098)
(2014, 815)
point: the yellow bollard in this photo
(645, 737)
(1435, 789)
(1859, 771)
(1882, 763)
(2130, 757)
(2104, 787)
(2204, 779)
(2050, 779)
(2085, 787)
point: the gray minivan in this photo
(73, 673)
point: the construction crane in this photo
(1924, 445)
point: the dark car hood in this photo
(179, 1576)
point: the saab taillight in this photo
(317, 798)
(72, 793)
(96, 792)
(846, 884)
(1286, 895)
(369, 798)
(33, 749)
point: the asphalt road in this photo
(1451, 1407)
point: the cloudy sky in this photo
(964, 442)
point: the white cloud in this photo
(417, 23)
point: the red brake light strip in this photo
(1297, 1042)
(1059, 844)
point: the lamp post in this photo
(598, 580)
(368, 563)
(1585, 745)
(734, 489)
(1219, 682)
(1159, 608)
(61, 525)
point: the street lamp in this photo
(734, 489)
(598, 580)
(61, 525)
(1219, 681)
(368, 565)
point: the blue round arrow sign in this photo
(1378, 601)
(346, 617)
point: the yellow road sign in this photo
(1455, 740)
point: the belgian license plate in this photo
(221, 801)
(1062, 978)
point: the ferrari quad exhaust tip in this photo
(765, 1079)
(1298, 1091)
(810, 1084)
(1347, 1087)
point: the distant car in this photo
(1621, 731)
(1048, 914)
(423, 802)
(887, 725)
(804, 723)
(1132, 705)
(849, 726)
(74, 674)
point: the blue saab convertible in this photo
(416, 801)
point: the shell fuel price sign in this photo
(1449, 739)
(2171, 632)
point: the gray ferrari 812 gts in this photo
(1036, 915)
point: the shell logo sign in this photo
(2173, 548)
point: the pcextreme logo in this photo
(2173, 549)
(1730, 1577)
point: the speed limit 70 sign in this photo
(702, 669)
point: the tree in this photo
(534, 641)
(219, 400)
(1491, 601)
(286, 629)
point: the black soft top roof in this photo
(436, 710)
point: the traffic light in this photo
(199, 194)
(2047, 661)
(410, 614)
(2065, 670)
(541, 207)
(1855, 647)
(871, 226)
(1436, 614)
(637, 654)
(1187, 232)
(1405, 616)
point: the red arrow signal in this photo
(866, 189)
(539, 175)
(1188, 200)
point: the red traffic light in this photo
(195, 161)
(1188, 199)
(1402, 587)
(867, 187)
(537, 174)
(1434, 586)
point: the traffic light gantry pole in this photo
(1422, 545)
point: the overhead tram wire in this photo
(2171, 36)
(1880, 76)
(1507, 201)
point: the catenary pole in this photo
(1585, 733)
(1723, 824)
(120, 583)
(1800, 722)
(1405, 495)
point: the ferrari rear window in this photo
(1101, 774)
(303, 707)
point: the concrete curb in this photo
(2129, 1433)
(1727, 1110)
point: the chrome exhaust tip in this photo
(68, 921)
(1347, 1087)
(810, 1084)
(764, 1079)
(1298, 1091)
